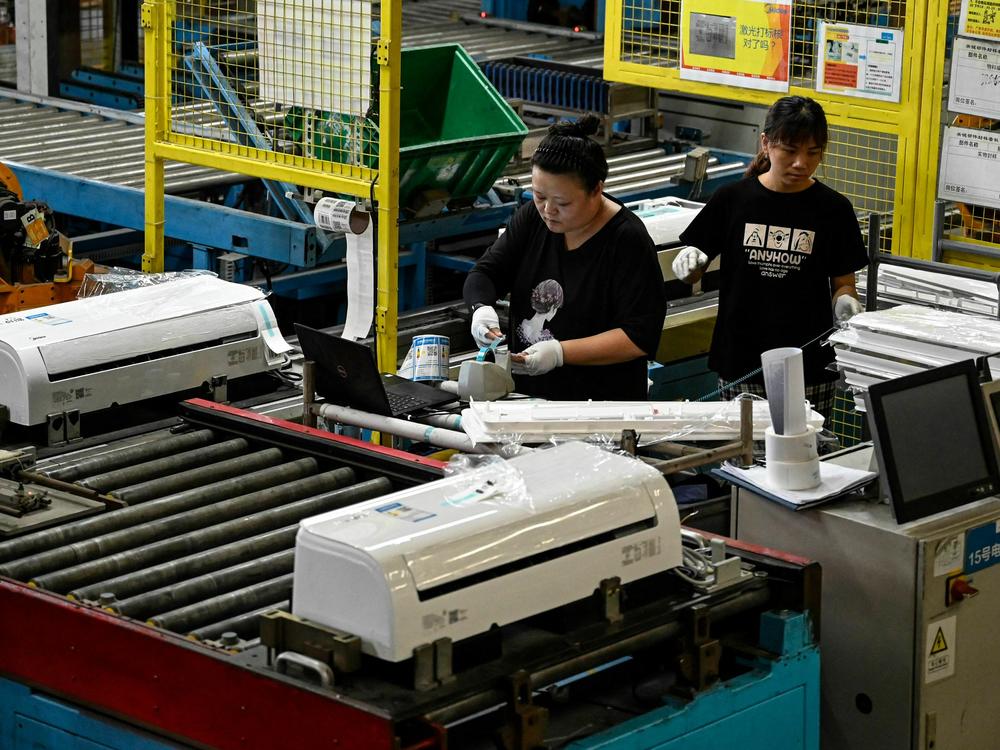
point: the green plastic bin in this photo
(456, 133)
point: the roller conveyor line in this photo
(89, 143)
(639, 171)
(95, 143)
(81, 147)
(206, 539)
(454, 21)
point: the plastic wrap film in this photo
(440, 559)
(943, 327)
(901, 285)
(885, 344)
(600, 422)
(489, 478)
(142, 342)
(573, 486)
(121, 279)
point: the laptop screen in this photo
(346, 373)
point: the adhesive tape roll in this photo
(801, 447)
(793, 475)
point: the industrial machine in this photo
(175, 607)
(909, 570)
(906, 661)
(32, 269)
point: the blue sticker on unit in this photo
(405, 512)
(982, 547)
(46, 318)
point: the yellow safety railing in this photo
(957, 224)
(871, 156)
(295, 92)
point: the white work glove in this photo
(538, 359)
(846, 307)
(687, 262)
(484, 319)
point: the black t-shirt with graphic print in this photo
(779, 252)
(611, 281)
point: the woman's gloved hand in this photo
(846, 307)
(538, 359)
(688, 264)
(485, 325)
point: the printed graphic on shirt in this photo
(776, 251)
(753, 234)
(802, 240)
(546, 299)
(777, 238)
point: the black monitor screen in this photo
(933, 440)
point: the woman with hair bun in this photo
(586, 291)
(789, 247)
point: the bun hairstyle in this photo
(569, 149)
(791, 119)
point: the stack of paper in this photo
(836, 481)
(887, 344)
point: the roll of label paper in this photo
(336, 215)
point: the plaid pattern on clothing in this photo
(820, 396)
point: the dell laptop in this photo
(346, 374)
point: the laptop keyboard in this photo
(400, 403)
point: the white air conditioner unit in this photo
(119, 348)
(454, 557)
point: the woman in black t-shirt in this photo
(790, 246)
(586, 291)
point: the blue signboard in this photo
(982, 547)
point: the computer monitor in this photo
(991, 395)
(933, 440)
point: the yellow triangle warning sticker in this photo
(939, 643)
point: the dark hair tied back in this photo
(586, 126)
(569, 149)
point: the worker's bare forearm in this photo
(607, 348)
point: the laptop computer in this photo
(346, 374)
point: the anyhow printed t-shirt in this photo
(779, 252)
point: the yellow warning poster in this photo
(736, 42)
(939, 651)
(980, 18)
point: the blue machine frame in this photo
(774, 704)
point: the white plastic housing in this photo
(454, 557)
(131, 345)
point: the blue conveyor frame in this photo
(773, 705)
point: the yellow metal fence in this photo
(972, 223)
(872, 152)
(296, 92)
